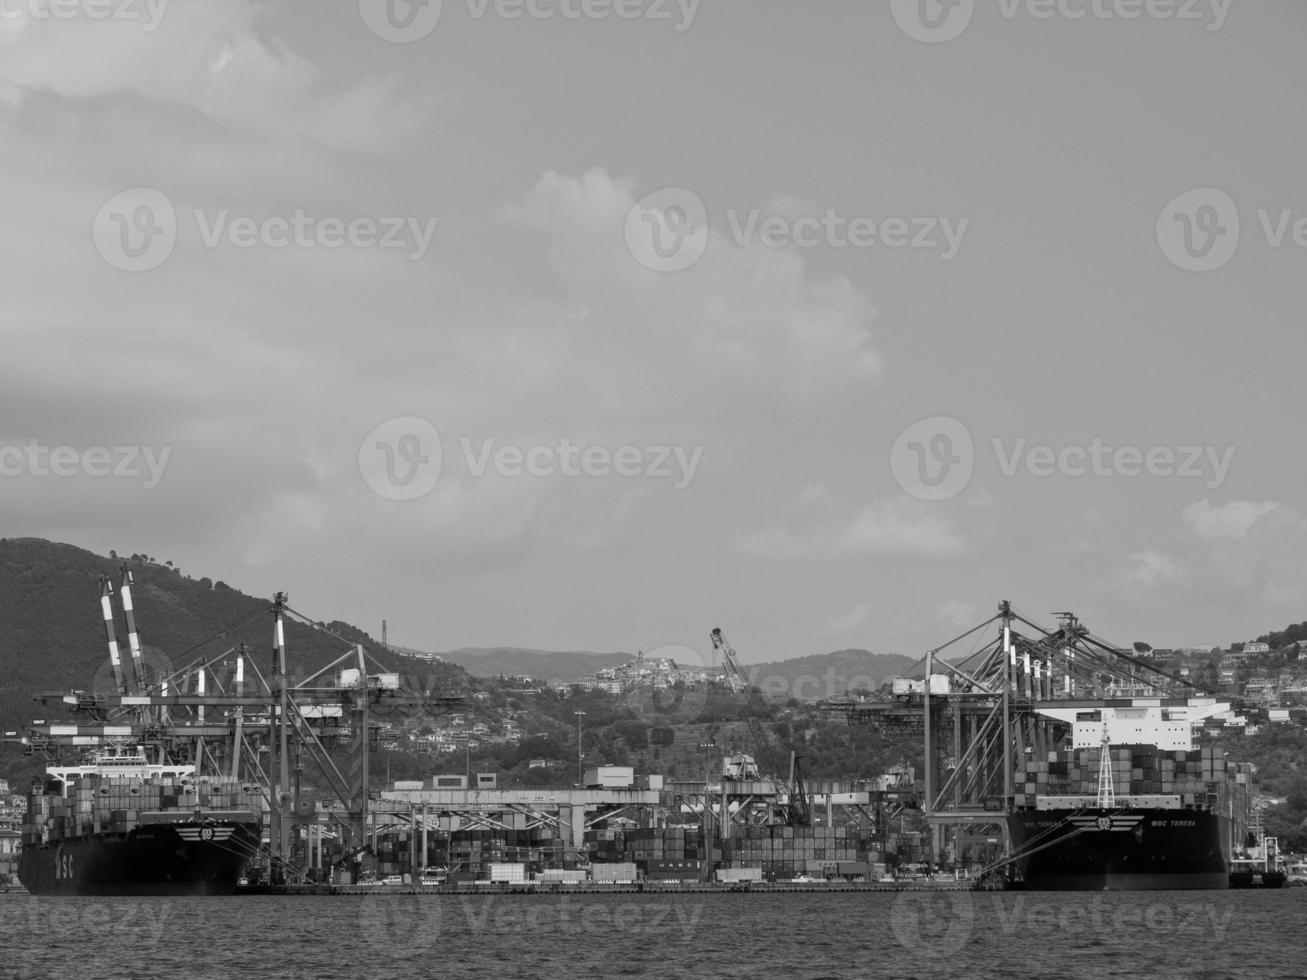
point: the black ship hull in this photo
(1120, 850)
(161, 859)
(1258, 879)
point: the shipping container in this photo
(510, 874)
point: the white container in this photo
(610, 777)
(728, 875)
(508, 874)
(620, 873)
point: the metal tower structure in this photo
(209, 711)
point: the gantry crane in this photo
(262, 724)
(761, 718)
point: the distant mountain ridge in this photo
(553, 666)
(828, 675)
(809, 678)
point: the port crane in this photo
(223, 714)
(761, 718)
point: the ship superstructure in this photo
(1038, 769)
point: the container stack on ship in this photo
(1143, 809)
(1057, 760)
(120, 826)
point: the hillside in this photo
(544, 665)
(53, 630)
(827, 675)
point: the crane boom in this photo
(760, 716)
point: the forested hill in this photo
(52, 631)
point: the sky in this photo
(593, 325)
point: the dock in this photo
(593, 888)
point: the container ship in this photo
(123, 826)
(1131, 804)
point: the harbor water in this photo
(1189, 934)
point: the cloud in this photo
(903, 528)
(847, 622)
(1232, 521)
(957, 614)
(895, 527)
(1151, 570)
(1225, 556)
(211, 57)
(753, 317)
